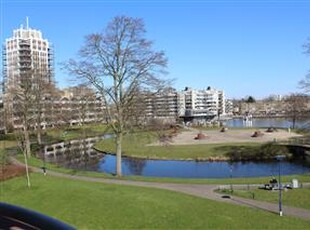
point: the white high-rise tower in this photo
(26, 55)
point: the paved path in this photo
(199, 190)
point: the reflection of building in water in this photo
(81, 147)
(74, 154)
(248, 123)
(247, 117)
(247, 120)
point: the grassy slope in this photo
(75, 132)
(97, 206)
(292, 197)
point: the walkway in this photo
(199, 190)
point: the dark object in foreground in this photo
(271, 129)
(257, 134)
(14, 217)
(226, 196)
(223, 129)
(200, 136)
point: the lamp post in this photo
(231, 186)
(279, 158)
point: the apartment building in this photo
(28, 65)
(200, 106)
(163, 105)
(26, 55)
(79, 105)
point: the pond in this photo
(79, 154)
(204, 169)
(264, 122)
(83, 157)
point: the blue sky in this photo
(243, 47)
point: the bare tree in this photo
(42, 89)
(296, 107)
(22, 98)
(119, 62)
(305, 84)
(85, 98)
(23, 142)
(19, 107)
(27, 98)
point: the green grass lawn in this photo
(87, 205)
(291, 197)
(136, 145)
(75, 132)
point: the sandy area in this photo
(215, 136)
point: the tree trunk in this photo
(27, 170)
(27, 143)
(39, 130)
(119, 137)
(294, 121)
(39, 136)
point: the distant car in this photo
(275, 186)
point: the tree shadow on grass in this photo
(247, 153)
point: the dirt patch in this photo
(10, 171)
(216, 136)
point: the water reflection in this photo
(75, 154)
(247, 123)
(193, 169)
(135, 165)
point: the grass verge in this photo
(292, 197)
(88, 205)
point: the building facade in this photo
(26, 55)
(200, 106)
(28, 69)
(163, 105)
